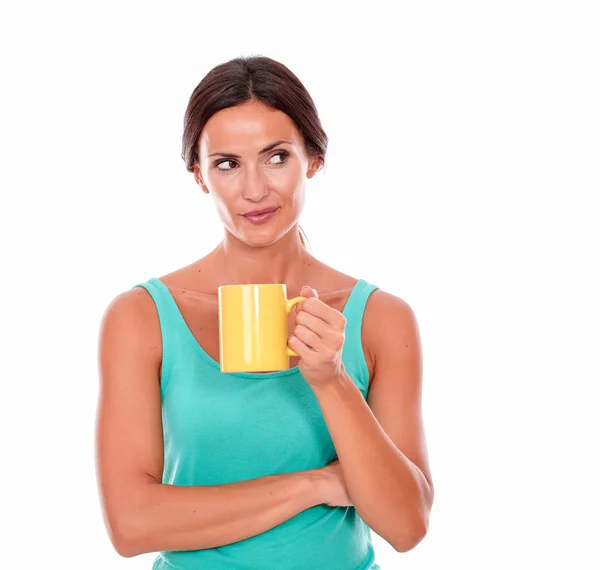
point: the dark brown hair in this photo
(249, 78)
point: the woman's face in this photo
(252, 157)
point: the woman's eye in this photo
(218, 164)
(283, 155)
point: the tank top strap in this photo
(353, 352)
(169, 318)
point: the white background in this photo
(462, 177)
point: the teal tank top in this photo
(220, 428)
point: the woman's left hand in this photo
(318, 338)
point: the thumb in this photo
(308, 292)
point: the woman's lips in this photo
(261, 218)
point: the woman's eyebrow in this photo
(266, 149)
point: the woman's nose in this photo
(255, 184)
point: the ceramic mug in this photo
(253, 327)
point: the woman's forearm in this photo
(170, 517)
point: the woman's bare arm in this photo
(141, 513)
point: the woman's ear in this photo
(314, 164)
(198, 178)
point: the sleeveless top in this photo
(220, 428)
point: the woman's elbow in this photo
(411, 536)
(125, 535)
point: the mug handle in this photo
(289, 305)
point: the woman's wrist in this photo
(316, 486)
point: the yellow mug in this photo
(253, 328)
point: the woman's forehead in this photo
(246, 126)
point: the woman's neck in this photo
(285, 261)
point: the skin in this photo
(381, 446)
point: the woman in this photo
(285, 469)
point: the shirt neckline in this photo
(252, 375)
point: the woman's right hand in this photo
(334, 490)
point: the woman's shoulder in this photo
(130, 318)
(196, 276)
(328, 279)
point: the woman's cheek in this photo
(283, 179)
